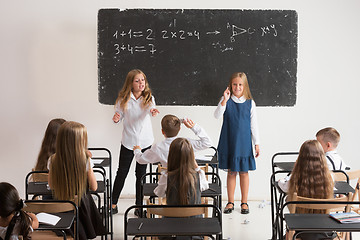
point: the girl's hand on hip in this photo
(154, 112)
(116, 117)
(257, 151)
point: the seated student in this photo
(158, 152)
(71, 175)
(48, 144)
(311, 178)
(13, 220)
(185, 179)
(329, 139)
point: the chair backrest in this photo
(38, 176)
(177, 211)
(353, 174)
(52, 207)
(49, 206)
(327, 206)
(340, 176)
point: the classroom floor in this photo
(234, 226)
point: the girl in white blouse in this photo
(134, 106)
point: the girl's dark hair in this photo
(10, 203)
(48, 144)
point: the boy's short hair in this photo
(170, 124)
(329, 134)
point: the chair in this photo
(213, 163)
(102, 160)
(327, 205)
(39, 176)
(204, 200)
(351, 175)
(176, 221)
(103, 206)
(67, 210)
(214, 191)
(277, 201)
(36, 184)
(284, 165)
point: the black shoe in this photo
(137, 212)
(244, 210)
(114, 210)
(229, 210)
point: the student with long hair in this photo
(71, 176)
(239, 133)
(134, 106)
(13, 220)
(48, 144)
(185, 179)
(311, 178)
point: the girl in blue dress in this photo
(238, 134)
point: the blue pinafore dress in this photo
(235, 150)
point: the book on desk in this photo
(46, 218)
(347, 217)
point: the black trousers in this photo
(125, 159)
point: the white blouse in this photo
(137, 128)
(160, 190)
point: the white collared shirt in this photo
(159, 153)
(160, 190)
(336, 159)
(253, 117)
(137, 128)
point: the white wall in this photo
(48, 56)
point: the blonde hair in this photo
(242, 75)
(311, 176)
(125, 92)
(329, 134)
(68, 166)
(181, 169)
(170, 124)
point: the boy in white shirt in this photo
(329, 139)
(158, 152)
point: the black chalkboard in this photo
(189, 55)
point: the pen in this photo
(140, 226)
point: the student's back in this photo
(71, 176)
(48, 144)
(311, 178)
(183, 184)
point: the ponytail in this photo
(24, 222)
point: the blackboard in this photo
(189, 55)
